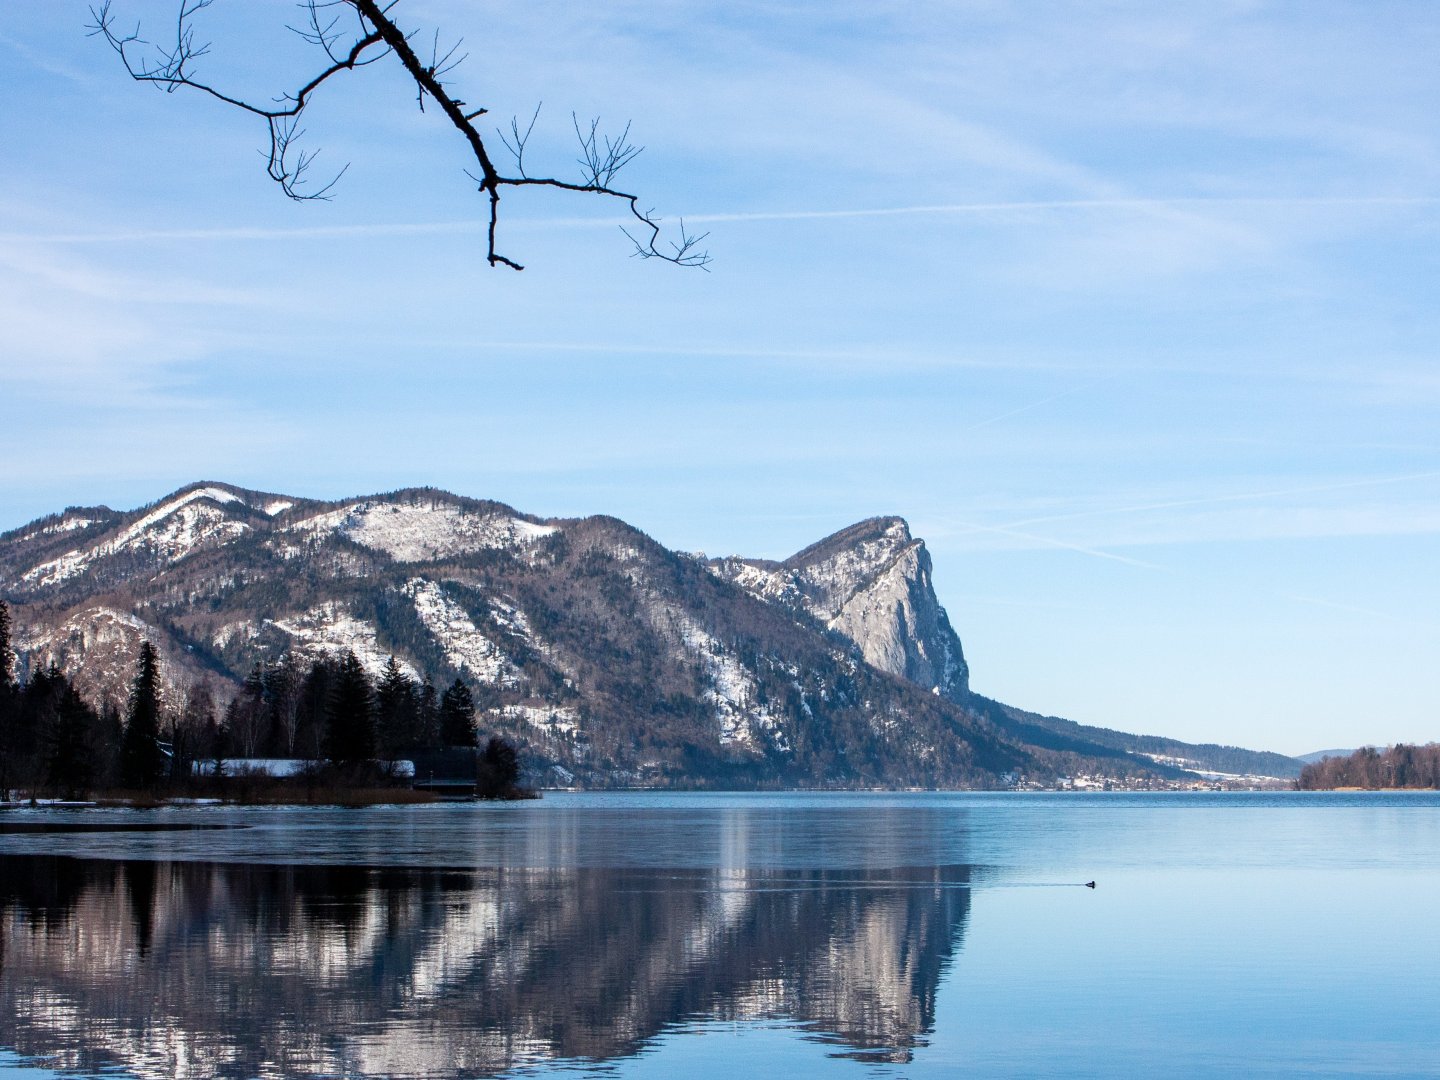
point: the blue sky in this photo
(1128, 307)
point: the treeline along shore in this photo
(1398, 766)
(344, 736)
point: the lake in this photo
(661, 935)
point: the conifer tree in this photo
(195, 734)
(246, 719)
(427, 707)
(71, 767)
(350, 727)
(312, 708)
(7, 658)
(33, 719)
(141, 762)
(9, 703)
(396, 712)
(457, 716)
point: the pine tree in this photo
(7, 658)
(350, 727)
(397, 715)
(246, 720)
(312, 707)
(141, 762)
(427, 708)
(71, 766)
(195, 728)
(457, 716)
(34, 717)
(9, 704)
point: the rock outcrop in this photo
(871, 584)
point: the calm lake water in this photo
(707, 936)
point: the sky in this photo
(1129, 308)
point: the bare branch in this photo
(684, 252)
(170, 70)
(376, 35)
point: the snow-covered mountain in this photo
(869, 583)
(600, 651)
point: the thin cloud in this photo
(1050, 541)
(1214, 500)
(1347, 608)
(1138, 203)
(423, 228)
(1042, 402)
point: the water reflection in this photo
(195, 968)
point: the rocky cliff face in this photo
(600, 651)
(871, 584)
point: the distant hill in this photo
(1052, 731)
(602, 654)
(1320, 755)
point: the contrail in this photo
(1001, 530)
(1036, 404)
(1138, 203)
(1385, 615)
(1217, 499)
(325, 232)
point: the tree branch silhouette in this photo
(354, 34)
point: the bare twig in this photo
(600, 167)
(517, 148)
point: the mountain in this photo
(607, 657)
(1210, 759)
(1321, 755)
(870, 584)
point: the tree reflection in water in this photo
(186, 968)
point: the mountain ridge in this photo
(599, 650)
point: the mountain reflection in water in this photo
(199, 968)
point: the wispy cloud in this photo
(1115, 204)
(1051, 542)
(1235, 497)
(471, 226)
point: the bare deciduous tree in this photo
(354, 34)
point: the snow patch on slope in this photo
(96, 647)
(69, 524)
(329, 629)
(423, 532)
(732, 691)
(776, 586)
(466, 648)
(551, 719)
(513, 619)
(834, 580)
(100, 625)
(224, 635)
(170, 532)
(875, 591)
